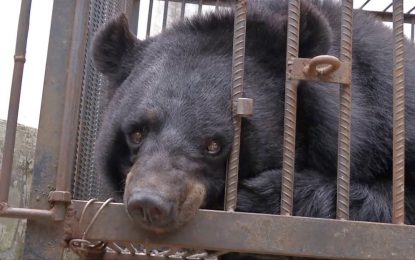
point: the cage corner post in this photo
(63, 76)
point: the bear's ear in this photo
(115, 49)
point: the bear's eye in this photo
(213, 147)
(137, 137)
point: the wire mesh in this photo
(87, 182)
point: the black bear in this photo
(167, 130)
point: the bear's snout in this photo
(163, 192)
(149, 208)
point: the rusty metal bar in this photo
(290, 111)
(413, 30)
(73, 89)
(19, 60)
(398, 115)
(22, 213)
(238, 70)
(388, 16)
(150, 14)
(345, 116)
(259, 233)
(165, 12)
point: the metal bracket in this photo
(60, 196)
(244, 107)
(321, 68)
(60, 199)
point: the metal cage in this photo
(64, 168)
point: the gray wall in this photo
(12, 230)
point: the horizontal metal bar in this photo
(387, 16)
(259, 233)
(22, 213)
(341, 75)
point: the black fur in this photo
(185, 74)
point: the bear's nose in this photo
(149, 208)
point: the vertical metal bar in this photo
(238, 67)
(41, 233)
(398, 115)
(290, 111)
(345, 116)
(165, 11)
(412, 25)
(132, 9)
(19, 60)
(182, 9)
(73, 89)
(199, 11)
(150, 14)
(217, 6)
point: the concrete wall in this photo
(12, 230)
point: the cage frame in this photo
(54, 219)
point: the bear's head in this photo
(167, 130)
